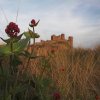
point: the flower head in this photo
(52, 51)
(56, 96)
(97, 97)
(62, 69)
(33, 23)
(12, 29)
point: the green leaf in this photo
(20, 46)
(8, 97)
(18, 88)
(27, 34)
(17, 47)
(29, 55)
(30, 34)
(5, 50)
(16, 61)
(46, 82)
(37, 23)
(25, 53)
(31, 25)
(16, 39)
(35, 35)
(6, 41)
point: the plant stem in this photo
(28, 62)
(34, 38)
(11, 58)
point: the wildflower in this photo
(56, 96)
(62, 69)
(33, 23)
(52, 51)
(12, 30)
(97, 97)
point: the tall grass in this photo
(73, 73)
(76, 72)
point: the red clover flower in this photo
(33, 23)
(12, 30)
(56, 96)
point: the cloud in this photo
(70, 17)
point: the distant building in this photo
(43, 48)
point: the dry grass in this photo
(76, 73)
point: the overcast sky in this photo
(78, 18)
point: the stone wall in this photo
(56, 43)
(57, 38)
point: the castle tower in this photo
(70, 39)
(62, 36)
(53, 37)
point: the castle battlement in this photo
(59, 37)
(56, 43)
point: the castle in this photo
(56, 43)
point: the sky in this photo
(77, 18)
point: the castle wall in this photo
(63, 36)
(70, 40)
(56, 43)
(57, 38)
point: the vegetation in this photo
(63, 75)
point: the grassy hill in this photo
(76, 72)
(73, 74)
